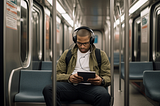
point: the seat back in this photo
(36, 65)
(116, 58)
(46, 65)
(136, 69)
(151, 82)
(32, 83)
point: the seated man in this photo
(69, 86)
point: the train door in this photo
(144, 53)
(37, 17)
(70, 37)
(47, 36)
(122, 41)
(59, 41)
(156, 35)
(59, 37)
(123, 32)
(106, 43)
(66, 37)
(116, 40)
(136, 40)
(98, 42)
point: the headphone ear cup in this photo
(91, 40)
(75, 39)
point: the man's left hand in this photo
(95, 81)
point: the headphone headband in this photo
(87, 28)
(84, 27)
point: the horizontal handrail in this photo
(10, 83)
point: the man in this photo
(69, 86)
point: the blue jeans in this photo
(95, 95)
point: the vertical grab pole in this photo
(112, 49)
(126, 74)
(54, 35)
(74, 13)
(120, 39)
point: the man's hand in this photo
(75, 78)
(95, 81)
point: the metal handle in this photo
(10, 83)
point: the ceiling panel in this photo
(91, 13)
(94, 12)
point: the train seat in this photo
(136, 69)
(116, 58)
(151, 82)
(46, 65)
(36, 65)
(31, 86)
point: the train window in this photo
(157, 45)
(36, 33)
(48, 38)
(24, 31)
(59, 38)
(137, 39)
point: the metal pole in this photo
(54, 35)
(120, 52)
(126, 77)
(74, 14)
(112, 49)
(120, 39)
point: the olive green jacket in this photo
(104, 72)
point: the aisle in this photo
(136, 98)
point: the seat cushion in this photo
(32, 83)
(151, 82)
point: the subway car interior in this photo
(35, 33)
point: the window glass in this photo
(36, 35)
(24, 31)
(137, 39)
(157, 45)
(48, 38)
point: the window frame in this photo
(27, 60)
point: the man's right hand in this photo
(75, 78)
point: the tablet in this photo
(86, 75)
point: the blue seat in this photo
(46, 65)
(116, 59)
(36, 65)
(31, 86)
(151, 82)
(136, 69)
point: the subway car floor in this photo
(135, 97)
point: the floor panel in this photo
(135, 97)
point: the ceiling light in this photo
(59, 8)
(136, 6)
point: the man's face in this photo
(83, 43)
